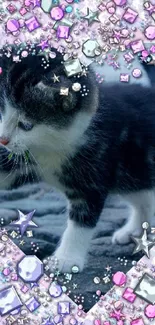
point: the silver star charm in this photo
(55, 78)
(142, 243)
(24, 221)
(91, 16)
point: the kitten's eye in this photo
(25, 126)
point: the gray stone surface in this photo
(51, 216)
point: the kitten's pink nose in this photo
(4, 141)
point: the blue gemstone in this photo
(69, 9)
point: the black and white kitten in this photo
(89, 143)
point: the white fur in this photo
(74, 247)
(143, 209)
(49, 146)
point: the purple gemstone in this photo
(12, 25)
(152, 49)
(14, 277)
(30, 274)
(58, 319)
(32, 304)
(130, 15)
(55, 290)
(57, 13)
(24, 289)
(63, 31)
(23, 11)
(6, 271)
(11, 8)
(64, 307)
(9, 300)
(32, 23)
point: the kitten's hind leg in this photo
(143, 208)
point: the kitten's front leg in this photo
(76, 239)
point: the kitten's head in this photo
(41, 107)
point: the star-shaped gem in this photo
(117, 314)
(47, 321)
(108, 268)
(43, 44)
(91, 16)
(75, 286)
(84, 73)
(142, 243)
(36, 3)
(55, 78)
(22, 242)
(24, 221)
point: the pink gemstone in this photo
(6, 271)
(24, 288)
(120, 322)
(118, 305)
(145, 53)
(21, 22)
(57, 13)
(12, 25)
(138, 321)
(150, 32)
(111, 10)
(119, 278)
(150, 311)
(11, 8)
(102, 7)
(120, 2)
(128, 57)
(152, 49)
(129, 295)
(14, 277)
(110, 4)
(107, 323)
(137, 46)
(63, 32)
(24, 54)
(130, 15)
(23, 11)
(97, 322)
(136, 73)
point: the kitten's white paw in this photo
(66, 260)
(123, 235)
